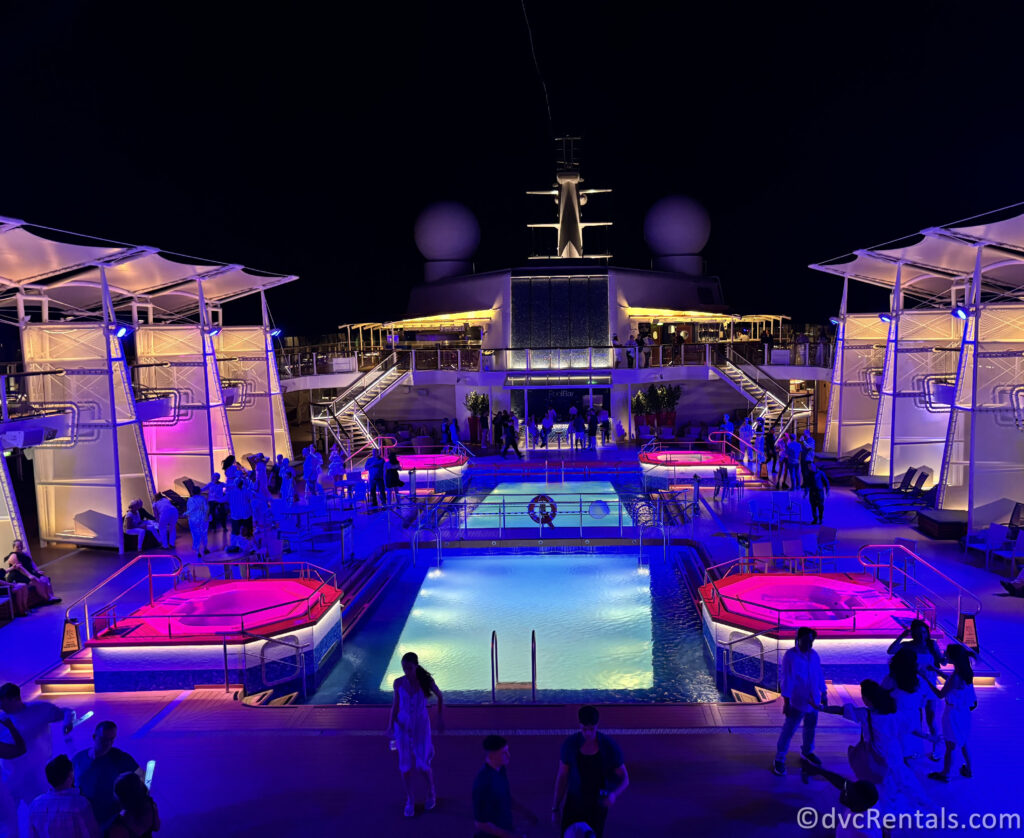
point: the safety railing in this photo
(83, 600)
(564, 515)
(470, 356)
(107, 613)
(293, 664)
(911, 580)
(888, 563)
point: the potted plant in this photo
(668, 398)
(477, 405)
(639, 406)
(653, 405)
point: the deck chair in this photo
(903, 486)
(1014, 554)
(887, 498)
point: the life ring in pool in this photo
(542, 510)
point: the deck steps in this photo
(72, 676)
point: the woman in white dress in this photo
(879, 721)
(409, 726)
(958, 693)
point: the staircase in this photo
(72, 676)
(345, 415)
(771, 399)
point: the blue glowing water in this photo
(606, 631)
(508, 505)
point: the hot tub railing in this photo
(71, 640)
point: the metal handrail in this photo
(415, 542)
(150, 575)
(494, 667)
(362, 383)
(297, 648)
(533, 665)
(737, 443)
(961, 590)
(664, 540)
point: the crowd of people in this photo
(899, 715)
(236, 504)
(788, 460)
(591, 772)
(99, 792)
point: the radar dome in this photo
(447, 231)
(677, 225)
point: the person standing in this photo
(511, 440)
(747, 442)
(217, 497)
(24, 775)
(617, 350)
(803, 691)
(446, 434)
(139, 817)
(198, 513)
(591, 776)
(592, 430)
(771, 455)
(547, 424)
(453, 431)
(375, 473)
(485, 433)
(409, 726)
(817, 487)
(392, 478)
(929, 660)
(493, 803)
(240, 510)
(97, 770)
(960, 698)
(62, 812)
(629, 351)
(606, 425)
(794, 452)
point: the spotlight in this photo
(834, 321)
(214, 331)
(885, 317)
(275, 333)
(122, 331)
(959, 312)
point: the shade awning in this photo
(42, 263)
(937, 261)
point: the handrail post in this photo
(494, 665)
(227, 677)
(533, 665)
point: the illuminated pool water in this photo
(509, 505)
(606, 631)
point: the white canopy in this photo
(939, 260)
(67, 270)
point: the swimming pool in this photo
(547, 506)
(606, 631)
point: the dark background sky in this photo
(305, 138)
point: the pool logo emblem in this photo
(542, 510)
(598, 509)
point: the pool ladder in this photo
(498, 684)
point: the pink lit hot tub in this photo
(832, 603)
(218, 607)
(260, 634)
(425, 462)
(712, 459)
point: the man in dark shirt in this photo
(591, 776)
(492, 798)
(97, 769)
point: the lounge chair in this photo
(903, 486)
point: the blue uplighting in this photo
(123, 331)
(885, 317)
(960, 312)
(275, 333)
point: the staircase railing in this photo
(763, 379)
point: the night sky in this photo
(305, 138)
